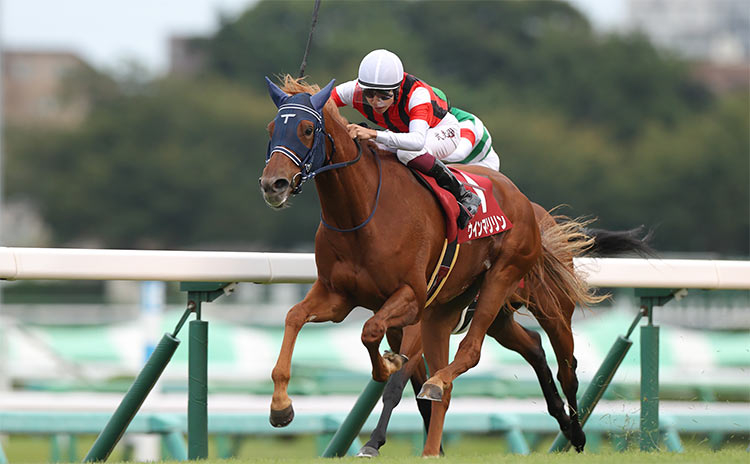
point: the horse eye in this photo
(308, 131)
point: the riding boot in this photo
(468, 201)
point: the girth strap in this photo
(445, 265)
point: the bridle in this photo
(304, 107)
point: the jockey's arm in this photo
(419, 108)
(413, 140)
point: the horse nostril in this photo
(273, 186)
(280, 184)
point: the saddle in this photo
(489, 220)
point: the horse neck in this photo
(347, 194)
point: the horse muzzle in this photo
(275, 191)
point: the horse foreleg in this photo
(528, 344)
(418, 378)
(435, 343)
(400, 310)
(495, 290)
(411, 347)
(319, 305)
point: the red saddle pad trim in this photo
(489, 219)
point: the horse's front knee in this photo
(373, 332)
(279, 375)
(296, 317)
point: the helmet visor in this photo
(369, 85)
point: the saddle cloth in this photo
(489, 220)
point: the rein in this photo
(377, 193)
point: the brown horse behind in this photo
(385, 264)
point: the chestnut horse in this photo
(380, 238)
(510, 334)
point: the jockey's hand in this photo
(362, 133)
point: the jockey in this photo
(419, 125)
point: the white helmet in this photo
(380, 69)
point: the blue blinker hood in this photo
(292, 110)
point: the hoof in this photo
(579, 441)
(431, 392)
(283, 417)
(368, 452)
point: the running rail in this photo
(655, 280)
(261, 267)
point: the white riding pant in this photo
(492, 161)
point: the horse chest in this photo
(364, 285)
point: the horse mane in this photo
(295, 85)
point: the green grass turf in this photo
(402, 450)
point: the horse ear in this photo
(319, 99)
(277, 95)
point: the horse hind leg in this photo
(411, 347)
(394, 389)
(561, 338)
(528, 343)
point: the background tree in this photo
(608, 125)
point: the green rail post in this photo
(649, 436)
(516, 441)
(599, 383)
(72, 448)
(671, 436)
(157, 362)
(60, 441)
(649, 423)
(133, 399)
(354, 421)
(54, 448)
(172, 439)
(174, 444)
(197, 418)
(649, 298)
(198, 390)
(619, 442)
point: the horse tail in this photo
(563, 239)
(554, 274)
(618, 242)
